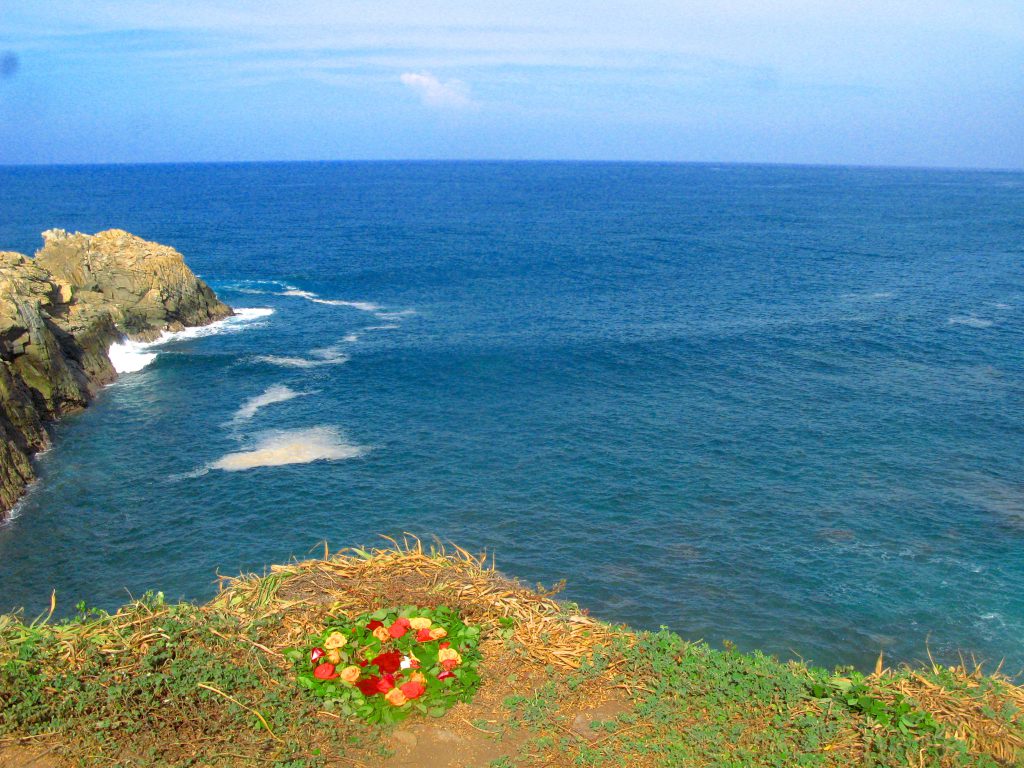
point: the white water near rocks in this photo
(132, 356)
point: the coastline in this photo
(61, 312)
(216, 684)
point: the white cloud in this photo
(451, 94)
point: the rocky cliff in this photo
(59, 314)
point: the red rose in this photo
(388, 662)
(385, 683)
(423, 635)
(445, 644)
(368, 685)
(374, 624)
(445, 675)
(399, 628)
(412, 689)
(316, 654)
(325, 672)
(449, 664)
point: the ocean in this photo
(780, 406)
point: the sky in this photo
(868, 82)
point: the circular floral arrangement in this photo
(383, 666)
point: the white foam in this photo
(970, 321)
(398, 315)
(292, 446)
(351, 338)
(318, 357)
(365, 306)
(389, 327)
(875, 296)
(275, 394)
(131, 356)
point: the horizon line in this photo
(516, 161)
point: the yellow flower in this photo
(382, 634)
(417, 677)
(333, 656)
(335, 640)
(419, 623)
(395, 697)
(350, 674)
(449, 654)
(438, 632)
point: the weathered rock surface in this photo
(59, 314)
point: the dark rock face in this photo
(59, 314)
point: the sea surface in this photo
(782, 406)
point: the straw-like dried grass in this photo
(355, 581)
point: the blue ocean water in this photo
(782, 406)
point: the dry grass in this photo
(355, 581)
(965, 699)
(528, 640)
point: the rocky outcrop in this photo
(59, 314)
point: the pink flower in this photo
(316, 654)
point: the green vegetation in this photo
(159, 684)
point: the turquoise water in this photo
(781, 406)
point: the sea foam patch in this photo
(130, 356)
(970, 321)
(317, 357)
(277, 393)
(291, 446)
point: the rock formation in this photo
(59, 314)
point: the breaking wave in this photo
(131, 356)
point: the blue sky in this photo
(864, 82)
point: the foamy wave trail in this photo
(970, 321)
(388, 327)
(131, 356)
(391, 316)
(291, 446)
(278, 393)
(365, 306)
(318, 357)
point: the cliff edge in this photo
(59, 314)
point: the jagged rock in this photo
(59, 314)
(145, 286)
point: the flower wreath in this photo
(382, 666)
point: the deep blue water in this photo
(782, 406)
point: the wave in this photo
(277, 393)
(365, 306)
(388, 327)
(397, 315)
(291, 446)
(970, 321)
(318, 357)
(131, 356)
(875, 296)
(351, 338)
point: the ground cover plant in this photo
(385, 665)
(220, 684)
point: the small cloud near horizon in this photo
(450, 94)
